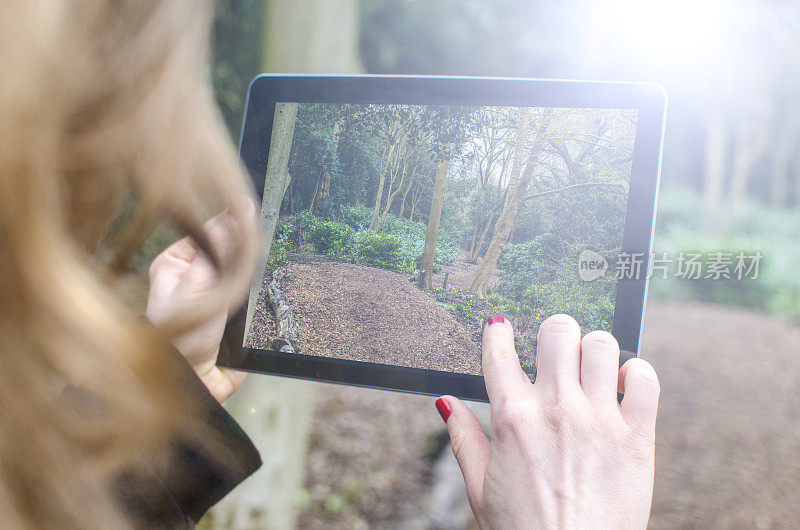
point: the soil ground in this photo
(368, 314)
(728, 439)
(364, 313)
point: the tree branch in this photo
(571, 186)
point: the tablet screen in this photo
(403, 228)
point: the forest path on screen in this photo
(363, 313)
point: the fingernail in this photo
(444, 408)
(497, 319)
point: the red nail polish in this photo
(444, 408)
(495, 320)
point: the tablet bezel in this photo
(265, 90)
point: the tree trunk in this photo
(473, 251)
(299, 36)
(308, 36)
(484, 173)
(324, 193)
(752, 138)
(319, 203)
(432, 234)
(413, 207)
(322, 190)
(416, 196)
(715, 162)
(515, 193)
(392, 195)
(473, 257)
(277, 177)
(787, 140)
(404, 198)
(313, 200)
(381, 184)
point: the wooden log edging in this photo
(285, 323)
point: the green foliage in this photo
(314, 152)
(301, 220)
(590, 303)
(359, 155)
(398, 246)
(494, 299)
(335, 503)
(291, 228)
(522, 265)
(331, 238)
(540, 272)
(356, 216)
(380, 249)
(503, 305)
(773, 232)
(278, 253)
(409, 234)
(461, 209)
(529, 365)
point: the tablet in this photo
(402, 212)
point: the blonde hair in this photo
(102, 102)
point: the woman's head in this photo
(103, 104)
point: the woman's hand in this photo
(181, 274)
(564, 452)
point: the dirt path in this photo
(728, 437)
(369, 314)
(462, 273)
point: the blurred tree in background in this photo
(249, 36)
(236, 48)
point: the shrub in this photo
(446, 249)
(591, 304)
(536, 284)
(494, 299)
(379, 249)
(290, 229)
(503, 305)
(410, 235)
(463, 311)
(521, 265)
(356, 216)
(301, 220)
(278, 256)
(397, 246)
(331, 238)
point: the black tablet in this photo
(402, 212)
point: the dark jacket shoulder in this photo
(175, 489)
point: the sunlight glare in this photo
(676, 33)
